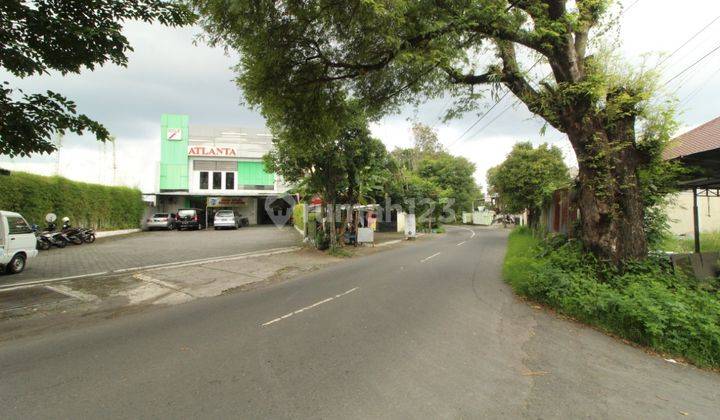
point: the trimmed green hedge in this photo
(91, 205)
(647, 303)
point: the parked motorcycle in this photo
(43, 243)
(75, 235)
(87, 235)
(52, 238)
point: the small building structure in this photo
(699, 150)
(214, 168)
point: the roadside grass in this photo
(646, 304)
(709, 241)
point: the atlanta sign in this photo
(212, 151)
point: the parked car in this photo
(161, 221)
(17, 242)
(226, 219)
(190, 219)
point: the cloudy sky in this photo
(169, 73)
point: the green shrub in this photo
(298, 213)
(91, 205)
(646, 303)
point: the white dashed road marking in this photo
(471, 231)
(288, 315)
(432, 256)
(461, 243)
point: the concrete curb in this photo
(109, 233)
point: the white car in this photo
(226, 219)
(17, 242)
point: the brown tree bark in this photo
(609, 198)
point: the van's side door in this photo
(20, 235)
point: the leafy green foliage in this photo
(454, 178)
(387, 53)
(528, 177)
(40, 36)
(90, 205)
(646, 303)
(298, 213)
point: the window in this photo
(217, 180)
(17, 226)
(203, 180)
(229, 180)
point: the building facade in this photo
(214, 168)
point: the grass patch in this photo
(647, 304)
(339, 252)
(709, 241)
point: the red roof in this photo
(700, 139)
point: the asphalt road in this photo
(149, 248)
(426, 330)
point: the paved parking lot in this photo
(149, 248)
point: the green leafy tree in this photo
(527, 179)
(40, 36)
(390, 52)
(330, 153)
(454, 176)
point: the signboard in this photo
(365, 236)
(225, 202)
(410, 231)
(212, 151)
(174, 134)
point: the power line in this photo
(485, 114)
(692, 65)
(687, 42)
(697, 90)
(481, 117)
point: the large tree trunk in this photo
(609, 198)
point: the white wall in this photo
(681, 214)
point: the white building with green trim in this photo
(214, 168)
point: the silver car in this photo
(161, 221)
(226, 219)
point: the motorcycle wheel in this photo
(90, 238)
(42, 245)
(76, 240)
(61, 244)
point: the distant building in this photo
(214, 168)
(699, 147)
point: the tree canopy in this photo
(527, 178)
(40, 36)
(386, 53)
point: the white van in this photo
(17, 242)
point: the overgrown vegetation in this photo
(298, 212)
(90, 205)
(646, 303)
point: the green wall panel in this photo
(253, 173)
(173, 152)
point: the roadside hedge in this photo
(647, 303)
(298, 213)
(91, 205)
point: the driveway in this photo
(149, 248)
(425, 330)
